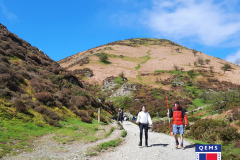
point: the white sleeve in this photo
(138, 118)
(149, 119)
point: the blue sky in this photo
(62, 28)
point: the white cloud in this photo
(210, 23)
(10, 16)
(233, 57)
(204, 21)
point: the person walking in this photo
(179, 116)
(120, 115)
(144, 119)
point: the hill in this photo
(37, 95)
(140, 58)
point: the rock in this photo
(125, 90)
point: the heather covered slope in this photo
(37, 95)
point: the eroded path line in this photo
(160, 147)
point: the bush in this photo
(52, 115)
(124, 133)
(191, 73)
(83, 115)
(200, 61)
(229, 134)
(226, 67)
(20, 106)
(237, 144)
(102, 119)
(122, 101)
(44, 97)
(90, 112)
(189, 83)
(104, 57)
(207, 61)
(40, 109)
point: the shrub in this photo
(229, 134)
(66, 91)
(122, 101)
(102, 119)
(40, 109)
(90, 112)
(200, 61)
(191, 73)
(54, 123)
(44, 97)
(52, 115)
(20, 106)
(226, 67)
(237, 144)
(207, 61)
(103, 57)
(81, 102)
(83, 115)
(175, 67)
(194, 52)
(189, 83)
(124, 133)
(24, 74)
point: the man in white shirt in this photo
(144, 118)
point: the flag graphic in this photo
(208, 156)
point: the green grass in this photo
(14, 58)
(106, 62)
(112, 143)
(124, 133)
(110, 132)
(118, 80)
(159, 71)
(198, 102)
(176, 72)
(146, 59)
(19, 135)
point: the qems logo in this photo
(208, 152)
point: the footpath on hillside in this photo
(160, 147)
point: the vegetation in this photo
(110, 132)
(124, 134)
(226, 67)
(122, 102)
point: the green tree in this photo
(104, 57)
(226, 67)
(191, 73)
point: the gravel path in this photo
(160, 147)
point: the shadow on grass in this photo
(106, 62)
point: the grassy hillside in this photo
(38, 96)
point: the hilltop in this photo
(141, 58)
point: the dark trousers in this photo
(145, 126)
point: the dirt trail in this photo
(160, 147)
(48, 149)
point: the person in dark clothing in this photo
(178, 115)
(144, 119)
(120, 115)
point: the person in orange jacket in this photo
(178, 115)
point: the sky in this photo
(62, 28)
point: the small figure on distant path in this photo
(120, 115)
(144, 118)
(133, 118)
(178, 115)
